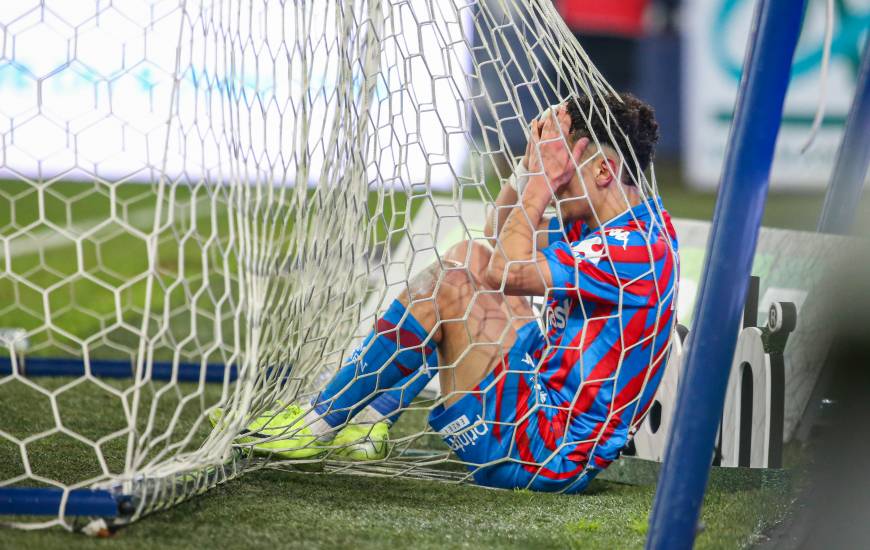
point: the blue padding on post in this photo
(46, 502)
(730, 251)
(109, 368)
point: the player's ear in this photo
(605, 170)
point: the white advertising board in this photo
(715, 40)
(138, 91)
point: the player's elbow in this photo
(507, 277)
(495, 272)
(505, 274)
(489, 231)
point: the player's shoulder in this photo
(589, 249)
(632, 242)
(564, 231)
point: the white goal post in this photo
(201, 207)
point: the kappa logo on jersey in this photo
(461, 433)
(620, 235)
(529, 361)
(542, 395)
(590, 250)
(534, 382)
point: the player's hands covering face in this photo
(549, 152)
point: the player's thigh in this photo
(478, 329)
(473, 257)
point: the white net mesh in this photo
(208, 205)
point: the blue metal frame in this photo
(853, 158)
(113, 368)
(730, 251)
(47, 502)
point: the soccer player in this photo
(529, 406)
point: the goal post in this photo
(730, 252)
(200, 223)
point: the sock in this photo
(370, 415)
(390, 405)
(377, 365)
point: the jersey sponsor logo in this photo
(557, 315)
(590, 250)
(461, 433)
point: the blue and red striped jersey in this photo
(608, 322)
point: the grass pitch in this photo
(276, 508)
(269, 508)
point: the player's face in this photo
(577, 199)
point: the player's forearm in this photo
(516, 249)
(504, 204)
(517, 237)
(506, 201)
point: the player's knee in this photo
(469, 254)
(455, 289)
(457, 271)
(456, 281)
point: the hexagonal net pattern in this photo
(209, 209)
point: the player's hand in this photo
(527, 158)
(548, 151)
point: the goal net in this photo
(207, 205)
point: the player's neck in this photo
(613, 205)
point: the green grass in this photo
(94, 411)
(272, 509)
(275, 508)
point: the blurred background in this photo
(683, 57)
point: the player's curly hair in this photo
(635, 117)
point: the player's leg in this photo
(476, 324)
(448, 306)
(470, 339)
(389, 405)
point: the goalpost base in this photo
(117, 368)
(49, 501)
(119, 503)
